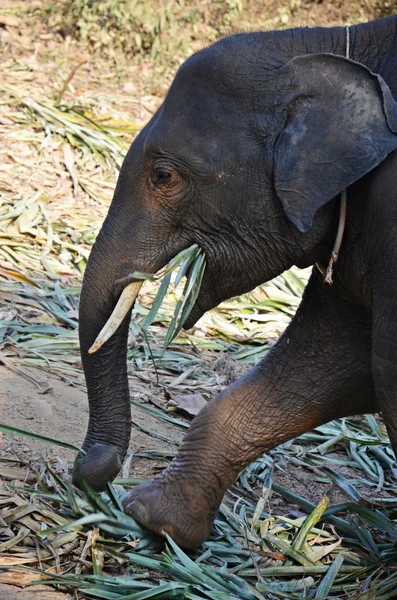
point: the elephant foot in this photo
(167, 506)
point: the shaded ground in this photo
(10, 592)
(62, 413)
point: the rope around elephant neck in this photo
(342, 211)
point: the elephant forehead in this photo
(201, 131)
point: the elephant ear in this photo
(341, 122)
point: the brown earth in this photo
(62, 413)
(11, 592)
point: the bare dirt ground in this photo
(62, 413)
(11, 592)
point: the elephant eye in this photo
(162, 176)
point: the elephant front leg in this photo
(318, 371)
(384, 358)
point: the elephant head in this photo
(244, 158)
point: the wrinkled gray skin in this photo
(258, 135)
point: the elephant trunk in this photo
(119, 250)
(109, 426)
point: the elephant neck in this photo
(374, 45)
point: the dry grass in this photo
(85, 542)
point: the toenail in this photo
(138, 511)
(168, 530)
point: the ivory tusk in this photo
(126, 300)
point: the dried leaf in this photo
(190, 404)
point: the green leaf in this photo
(310, 522)
(37, 436)
(325, 586)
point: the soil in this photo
(11, 592)
(62, 413)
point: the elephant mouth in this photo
(201, 304)
(126, 302)
(195, 314)
(205, 301)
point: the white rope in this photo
(347, 42)
(342, 209)
(338, 239)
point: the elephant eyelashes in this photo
(166, 181)
(161, 177)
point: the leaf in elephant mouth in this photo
(190, 263)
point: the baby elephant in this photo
(247, 157)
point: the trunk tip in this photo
(97, 467)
